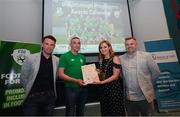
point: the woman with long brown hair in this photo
(111, 92)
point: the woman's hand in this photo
(98, 71)
(97, 82)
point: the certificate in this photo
(90, 74)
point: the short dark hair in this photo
(49, 37)
(128, 38)
(75, 37)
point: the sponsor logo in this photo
(81, 60)
(19, 55)
(165, 56)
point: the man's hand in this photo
(80, 82)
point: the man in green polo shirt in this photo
(70, 71)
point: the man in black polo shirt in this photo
(38, 76)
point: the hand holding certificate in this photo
(90, 74)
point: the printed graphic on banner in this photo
(12, 56)
(172, 12)
(167, 86)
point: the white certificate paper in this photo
(90, 74)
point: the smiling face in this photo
(48, 46)
(75, 45)
(104, 49)
(131, 46)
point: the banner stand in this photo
(12, 56)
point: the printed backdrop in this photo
(167, 86)
(172, 12)
(12, 56)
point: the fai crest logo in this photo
(19, 55)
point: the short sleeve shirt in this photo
(72, 66)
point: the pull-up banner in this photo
(172, 12)
(12, 56)
(167, 86)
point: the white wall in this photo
(21, 20)
(148, 21)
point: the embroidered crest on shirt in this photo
(81, 60)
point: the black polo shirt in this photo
(44, 78)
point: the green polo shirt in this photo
(72, 64)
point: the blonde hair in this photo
(111, 51)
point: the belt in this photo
(41, 93)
